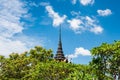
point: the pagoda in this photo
(60, 55)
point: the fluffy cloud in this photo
(93, 26)
(10, 24)
(10, 17)
(11, 13)
(76, 25)
(8, 46)
(73, 13)
(104, 12)
(86, 2)
(89, 21)
(96, 29)
(33, 4)
(85, 23)
(79, 51)
(44, 3)
(57, 20)
(74, 1)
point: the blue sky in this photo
(85, 24)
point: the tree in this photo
(106, 60)
(38, 64)
(19, 65)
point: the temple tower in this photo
(60, 55)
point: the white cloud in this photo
(57, 20)
(85, 23)
(10, 17)
(17, 44)
(8, 46)
(73, 13)
(33, 4)
(10, 24)
(11, 13)
(104, 12)
(86, 2)
(89, 20)
(97, 29)
(74, 1)
(44, 3)
(92, 25)
(9, 28)
(79, 52)
(76, 25)
(28, 41)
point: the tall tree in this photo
(106, 60)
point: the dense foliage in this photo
(106, 61)
(39, 64)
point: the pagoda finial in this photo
(60, 33)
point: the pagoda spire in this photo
(60, 55)
(60, 34)
(60, 42)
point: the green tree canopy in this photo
(105, 61)
(38, 64)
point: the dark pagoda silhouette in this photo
(60, 55)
